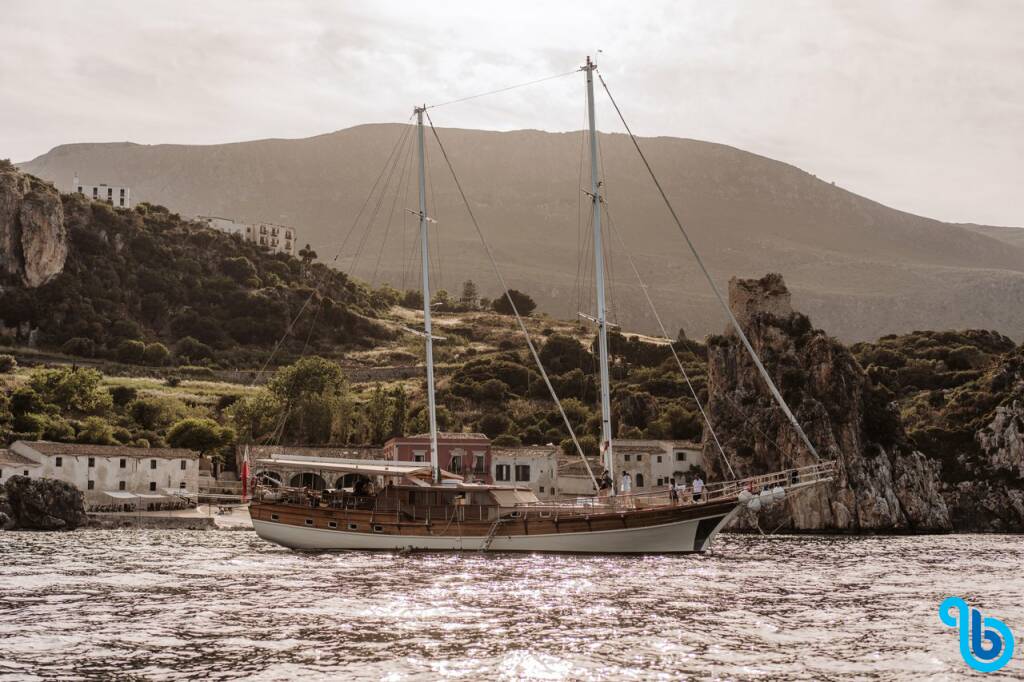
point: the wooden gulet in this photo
(420, 506)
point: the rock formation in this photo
(882, 483)
(43, 504)
(33, 239)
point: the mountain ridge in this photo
(862, 268)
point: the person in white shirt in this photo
(698, 488)
(627, 483)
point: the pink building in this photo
(466, 454)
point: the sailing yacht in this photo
(417, 505)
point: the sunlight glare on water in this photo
(226, 605)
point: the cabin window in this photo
(522, 472)
(502, 472)
(121, 485)
(332, 524)
(92, 462)
(59, 461)
(152, 486)
(377, 528)
(274, 517)
(353, 526)
(309, 522)
(92, 484)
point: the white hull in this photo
(678, 536)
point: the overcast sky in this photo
(917, 104)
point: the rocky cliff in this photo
(41, 504)
(882, 484)
(33, 239)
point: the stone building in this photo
(277, 238)
(535, 466)
(109, 474)
(465, 454)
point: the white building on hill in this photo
(109, 475)
(115, 195)
(277, 238)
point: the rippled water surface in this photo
(225, 605)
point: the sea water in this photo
(225, 605)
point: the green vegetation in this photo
(140, 282)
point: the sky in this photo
(918, 104)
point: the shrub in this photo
(79, 346)
(156, 354)
(122, 395)
(7, 364)
(507, 441)
(192, 349)
(131, 351)
(493, 424)
(524, 304)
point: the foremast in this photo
(427, 331)
(602, 313)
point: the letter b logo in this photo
(986, 643)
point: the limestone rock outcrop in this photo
(33, 238)
(882, 483)
(44, 504)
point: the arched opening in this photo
(639, 480)
(269, 478)
(308, 480)
(346, 481)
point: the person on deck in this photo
(698, 488)
(604, 485)
(673, 491)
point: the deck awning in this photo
(150, 496)
(119, 494)
(367, 468)
(509, 497)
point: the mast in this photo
(602, 315)
(428, 335)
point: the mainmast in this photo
(602, 315)
(427, 334)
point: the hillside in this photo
(141, 285)
(859, 268)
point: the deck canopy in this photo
(510, 497)
(367, 467)
(119, 494)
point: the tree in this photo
(399, 408)
(470, 295)
(156, 354)
(72, 389)
(201, 435)
(307, 255)
(378, 415)
(524, 304)
(239, 269)
(96, 431)
(314, 401)
(192, 349)
(7, 364)
(131, 352)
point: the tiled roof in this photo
(8, 458)
(523, 450)
(453, 435)
(73, 449)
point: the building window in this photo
(502, 471)
(522, 472)
(122, 191)
(58, 462)
(122, 201)
(124, 463)
(152, 486)
(79, 189)
(95, 192)
(455, 464)
(182, 485)
(680, 456)
(26, 472)
(625, 458)
(418, 457)
(639, 480)
(121, 485)
(542, 488)
(639, 457)
(152, 464)
(184, 465)
(92, 484)
(92, 462)
(478, 466)
(659, 459)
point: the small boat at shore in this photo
(401, 505)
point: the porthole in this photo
(274, 517)
(309, 522)
(377, 528)
(515, 515)
(353, 526)
(332, 524)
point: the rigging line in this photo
(322, 282)
(376, 212)
(391, 214)
(714, 287)
(505, 89)
(671, 345)
(512, 304)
